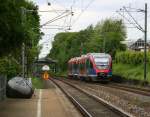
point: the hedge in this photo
(131, 57)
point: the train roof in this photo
(99, 54)
(76, 59)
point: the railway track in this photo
(89, 105)
(136, 90)
(132, 89)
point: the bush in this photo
(130, 65)
(131, 57)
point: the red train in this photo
(92, 66)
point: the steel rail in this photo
(83, 111)
(135, 90)
(115, 109)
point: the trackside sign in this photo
(45, 68)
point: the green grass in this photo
(37, 83)
(63, 73)
(129, 71)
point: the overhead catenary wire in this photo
(60, 15)
(56, 11)
(83, 10)
(65, 24)
(125, 23)
(134, 11)
(56, 18)
(70, 20)
(141, 18)
(54, 28)
(129, 21)
(139, 27)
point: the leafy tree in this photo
(9, 66)
(13, 29)
(18, 26)
(112, 33)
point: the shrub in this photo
(131, 57)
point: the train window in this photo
(91, 65)
(102, 62)
(76, 66)
(101, 59)
(87, 63)
(81, 66)
(71, 66)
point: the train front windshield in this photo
(102, 62)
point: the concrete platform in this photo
(50, 102)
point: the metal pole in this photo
(23, 60)
(81, 49)
(26, 70)
(104, 43)
(145, 43)
(23, 45)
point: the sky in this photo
(85, 13)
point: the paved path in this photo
(49, 102)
